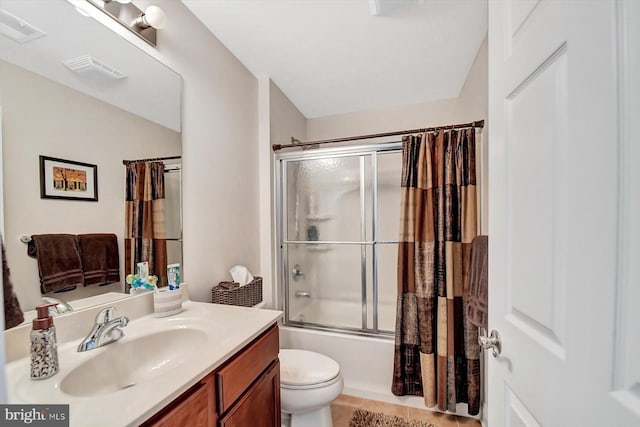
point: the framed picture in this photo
(69, 180)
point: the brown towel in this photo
(59, 262)
(13, 315)
(477, 304)
(100, 259)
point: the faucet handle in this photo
(105, 315)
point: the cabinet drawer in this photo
(239, 373)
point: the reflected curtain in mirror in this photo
(436, 348)
(145, 238)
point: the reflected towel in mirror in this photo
(100, 259)
(59, 264)
(13, 315)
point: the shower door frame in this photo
(281, 160)
(171, 168)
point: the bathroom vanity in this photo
(244, 391)
(211, 365)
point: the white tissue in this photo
(241, 275)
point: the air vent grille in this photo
(16, 29)
(86, 64)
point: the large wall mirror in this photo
(119, 104)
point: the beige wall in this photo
(41, 117)
(220, 132)
(286, 120)
(219, 148)
(470, 105)
(474, 105)
(384, 120)
(279, 119)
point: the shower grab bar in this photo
(303, 294)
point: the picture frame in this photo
(68, 180)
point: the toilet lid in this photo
(301, 367)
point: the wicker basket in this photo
(231, 293)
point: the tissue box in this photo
(232, 293)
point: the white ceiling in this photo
(151, 90)
(339, 56)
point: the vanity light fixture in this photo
(143, 23)
(153, 16)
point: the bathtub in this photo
(341, 313)
(372, 379)
(366, 361)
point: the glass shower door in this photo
(325, 239)
(338, 261)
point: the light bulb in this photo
(155, 17)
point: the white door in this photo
(563, 211)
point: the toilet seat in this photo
(311, 386)
(301, 369)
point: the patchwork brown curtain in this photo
(436, 349)
(145, 238)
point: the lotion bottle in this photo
(44, 348)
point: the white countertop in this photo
(228, 329)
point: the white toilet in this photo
(309, 382)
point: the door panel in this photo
(519, 11)
(554, 214)
(626, 367)
(517, 414)
(536, 144)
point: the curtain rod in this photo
(297, 143)
(154, 159)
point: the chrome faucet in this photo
(297, 272)
(60, 308)
(105, 331)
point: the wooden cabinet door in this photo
(194, 411)
(260, 405)
(195, 408)
(237, 375)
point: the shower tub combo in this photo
(338, 213)
(338, 219)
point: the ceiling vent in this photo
(91, 68)
(18, 30)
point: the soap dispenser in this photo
(44, 348)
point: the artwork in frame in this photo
(68, 180)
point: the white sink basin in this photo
(125, 364)
(126, 382)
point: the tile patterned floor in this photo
(343, 407)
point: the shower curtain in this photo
(144, 216)
(436, 349)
